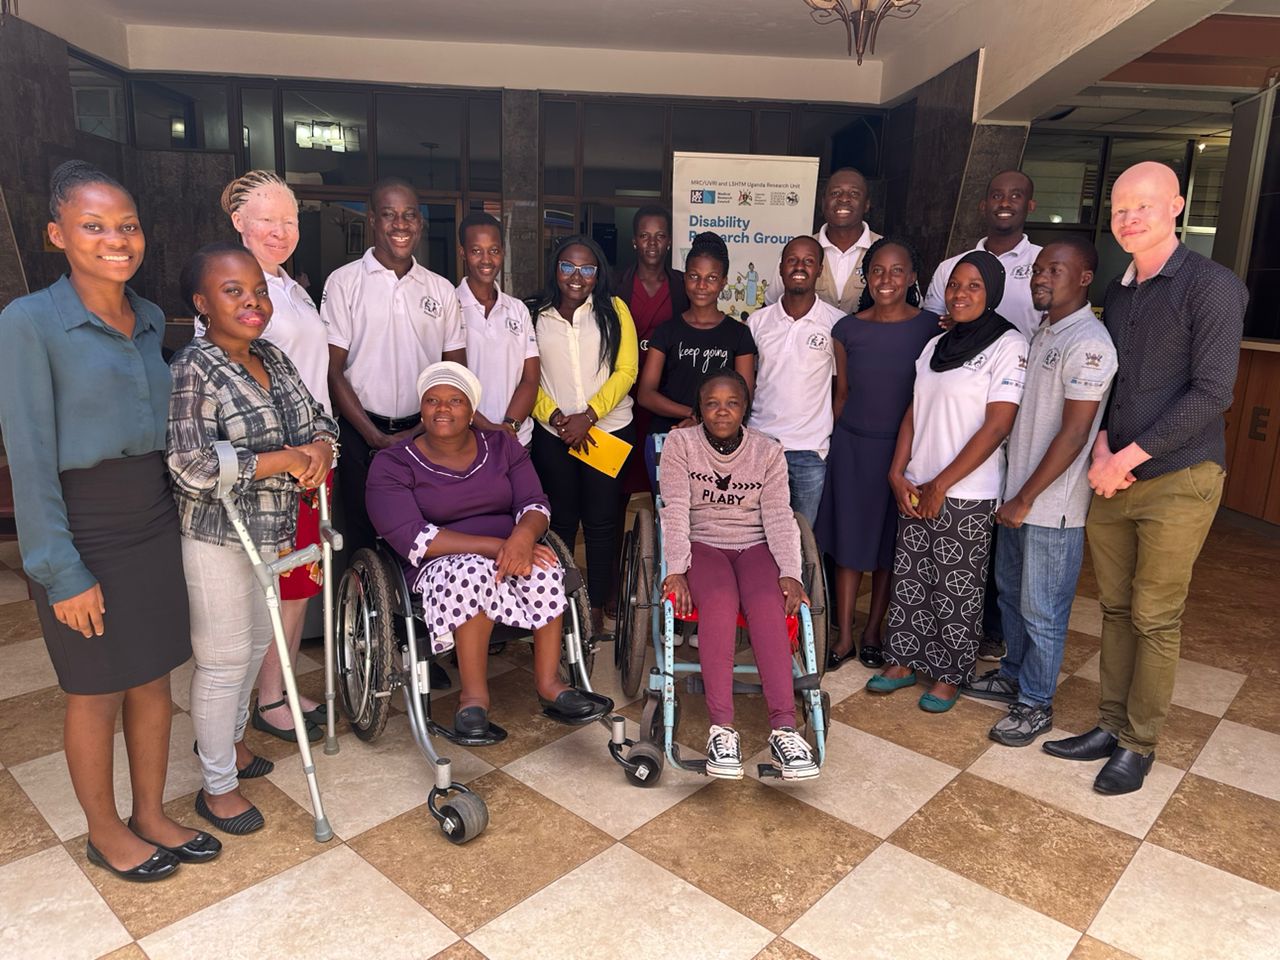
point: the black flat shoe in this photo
(1123, 773)
(258, 766)
(1094, 745)
(471, 722)
(159, 865)
(319, 715)
(201, 848)
(576, 707)
(242, 823)
(288, 735)
(835, 661)
(871, 656)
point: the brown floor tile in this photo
(529, 843)
(1223, 826)
(957, 737)
(31, 725)
(130, 952)
(1055, 862)
(1080, 647)
(18, 622)
(783, 950)
(459, 951)
(1257, 704)
(22, 830)
(1075, 707)
(1091, 949)
(286, 840)
(759, 850)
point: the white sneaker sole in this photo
(808, 773)
(724, 773)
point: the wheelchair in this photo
(382, 645)
(645, 617)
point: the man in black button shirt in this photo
(1158, 465)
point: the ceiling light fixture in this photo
(861, 18)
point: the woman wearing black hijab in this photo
(947, 476)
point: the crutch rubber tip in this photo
(324, 832)
(330, 746)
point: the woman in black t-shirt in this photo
(701, 341)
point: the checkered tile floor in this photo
(921, 839)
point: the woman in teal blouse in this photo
(84, 395)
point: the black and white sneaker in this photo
(992, 685)
(792, 755)
(724, 753)
(1023, 724)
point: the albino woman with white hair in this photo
(464, 509)
(264, 212)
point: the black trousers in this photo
(580, 494)
(353, 472)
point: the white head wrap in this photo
(455, 375)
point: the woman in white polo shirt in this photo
(589, 357)
(947, 475)
(264, 212)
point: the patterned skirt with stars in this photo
(936, 594)
(457, 588)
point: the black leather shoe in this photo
(835, 661)
(159, 865)
(1094, 745)
(1123, 773)
(576, 707)
(471, 722)
(871, 656)
(201, 848)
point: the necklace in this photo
(723, 447)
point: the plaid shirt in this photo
(215, 398)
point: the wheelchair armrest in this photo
(228, 468)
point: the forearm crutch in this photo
(267, 573)
(330, 543)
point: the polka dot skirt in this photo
(455, 589)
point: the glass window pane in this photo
(1065, 170)
(840, 139)
(773, 132)
(484, 140)
(333, 233)
(326, 137)
(1125, 152)
(622, 150)
(420, 139)
(558, 222)
(1206, 188)
(711, 130)
(178, 115)
(559, 146)
(98, 97)
(610, 227)
(258, 130)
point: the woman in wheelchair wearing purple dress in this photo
(730, 542)
(464, 509)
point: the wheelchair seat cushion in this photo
(793, 622)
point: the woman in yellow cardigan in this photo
(587, 345)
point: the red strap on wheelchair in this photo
(793, 622)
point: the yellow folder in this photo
(608, 455)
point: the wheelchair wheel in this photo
(580, 601)
(366, 643)
(648, 760)
(635, 622)
(815, 584)
(465, 817)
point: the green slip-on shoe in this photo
(882, 684)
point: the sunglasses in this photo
(567, 269)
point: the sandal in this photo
(314, 732)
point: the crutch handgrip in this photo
(298, 558)
(228, 467)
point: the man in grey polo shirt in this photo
(1069, 370)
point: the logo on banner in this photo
(744, 198)
(702, 196)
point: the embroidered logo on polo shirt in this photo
(1022, 361)
(1021, 272)
(431, 306)
(976, 363)
(513, 324)
(818, 341)
(1051, 358)
(1093, 360)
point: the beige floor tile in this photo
(1170, 907)
(52, 911)
(26, 668)
(1086, 616)
(286, 840)
(529, 843)
(301, 908)
(1057, 863)
(868, 782)
(1091, 949)
(1257, 705)
(1197, 686)
(12, 587)
(366, 784)
(956, 738)
(18, 622)
(10, 555)
(1223, 826)
(897, 906)
(578, 773)
(621, 905)
(22, 830)
(48, 784)
(849, 679)
(1069, 785)
(762, 852)
(1244, 757)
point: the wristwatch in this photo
(513, 423)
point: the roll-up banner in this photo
(756, 203)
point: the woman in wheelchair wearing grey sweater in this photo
(731, 543)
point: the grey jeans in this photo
(230, 634)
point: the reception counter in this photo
(1253, 433)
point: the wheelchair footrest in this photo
(602, 706)
(694, 684)
(495, 734)
(764, 770)
(810, 681)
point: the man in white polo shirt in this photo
(845, 238)
(1070, 366)
(1008, 201)
(388, 318)
(796, 363)
(502, 350)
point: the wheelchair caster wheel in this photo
(647, 758)
(463, 818)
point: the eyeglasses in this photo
(567, 269)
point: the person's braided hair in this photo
(236, 193)
(914, 296)
(712, 245)
(70, 176)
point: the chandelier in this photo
(861, 18)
